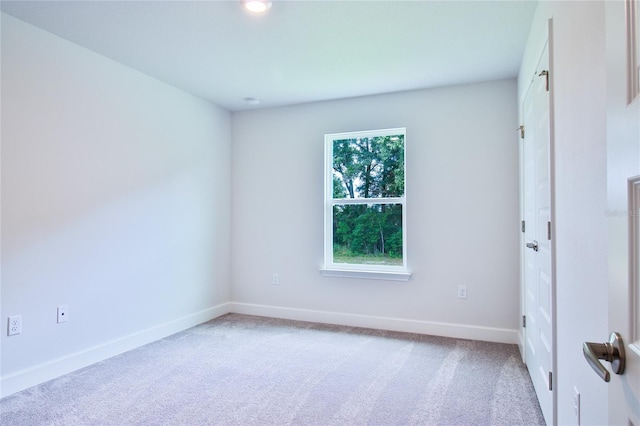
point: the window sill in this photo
(369, 275)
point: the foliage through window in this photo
(365, 226)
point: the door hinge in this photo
(524, 321)
(545, 73)
(521, 128)
(548, 230)
(550, 380)
(522, 226)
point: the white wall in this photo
(463, 219)
(115, 201)
(578, 90)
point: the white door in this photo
(538, 283)
(623, 193)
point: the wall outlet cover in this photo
(462, 291)
(63, 313)
(14, 325)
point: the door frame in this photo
(547, 41)
(622, 28)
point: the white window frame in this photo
(382, 272)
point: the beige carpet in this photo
(244, 370)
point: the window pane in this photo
(368, 234)
(368, 167)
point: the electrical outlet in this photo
(275, 279)
(576, 405)
(15, 325)
(462, 292)
(63, 313)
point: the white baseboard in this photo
(461, 331)
(32, 376)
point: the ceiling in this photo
(299, 51)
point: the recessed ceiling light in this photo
(252, 101)
(256, 6)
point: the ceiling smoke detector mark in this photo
(252, 101)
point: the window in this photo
(365, 214)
